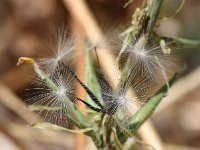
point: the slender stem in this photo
(153, 9)
(183, 43)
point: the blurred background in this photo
(25, 25)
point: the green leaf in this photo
(145, 112)
(91, 79)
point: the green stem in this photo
(153, 9)
(182, 43)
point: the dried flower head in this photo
(52, 100)
(149, 60)
(55, 85)
(61, 48)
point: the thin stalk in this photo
(153, 9)
(182, 43)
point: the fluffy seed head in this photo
(61, 48)
(152, 62)
(52, 101)
(118, 106)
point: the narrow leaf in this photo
(46, 125)
(145, 112)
